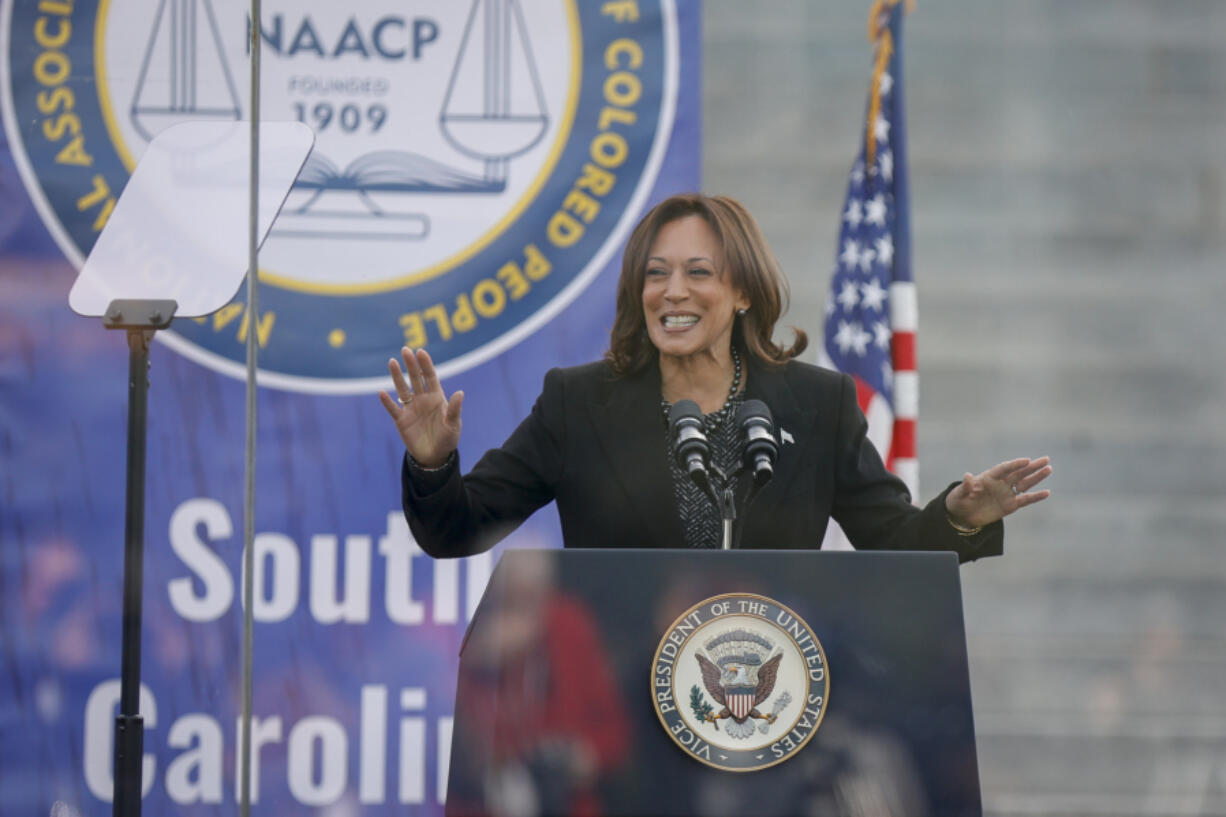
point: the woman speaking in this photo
(697, 303)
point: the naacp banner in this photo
(478, 165)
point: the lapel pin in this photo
(786, 436)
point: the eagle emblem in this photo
(739, 675)
(741, 659)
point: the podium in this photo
(570, 701)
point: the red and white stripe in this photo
(903, 457)
(740, 704)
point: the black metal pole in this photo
(129, 728)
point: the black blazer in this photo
(598, 446)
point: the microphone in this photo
(758, 431)
(690, 444)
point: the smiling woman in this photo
(736, 253)
(689, 306)
(698, 299)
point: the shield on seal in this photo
(740, 701)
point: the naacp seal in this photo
(739, 682)
(477, 163)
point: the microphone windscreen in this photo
(750, 409)
(682, 410)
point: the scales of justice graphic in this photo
(493, 111)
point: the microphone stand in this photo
(724, 499)
(727, 510)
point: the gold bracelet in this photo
(961, 529)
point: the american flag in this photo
(871, 312)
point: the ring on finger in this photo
(1016, 490)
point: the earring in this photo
(741, 312)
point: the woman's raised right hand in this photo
(428, 422)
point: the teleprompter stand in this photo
(175, 245)
(140, 319)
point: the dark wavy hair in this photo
(747, 260)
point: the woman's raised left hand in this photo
(981, 499)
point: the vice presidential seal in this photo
(476, 164)
(739, 682)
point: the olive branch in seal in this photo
(699, 705)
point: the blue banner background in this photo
(327, 466)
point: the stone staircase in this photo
(1068, 166)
